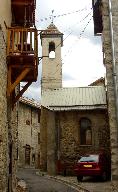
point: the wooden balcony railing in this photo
(22, 58)
(22, 41)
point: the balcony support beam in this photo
(11, 86)
(22, 60)
(21, 92)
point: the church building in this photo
(74, 121)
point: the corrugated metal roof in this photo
(90, 97)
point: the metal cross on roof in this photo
(52, 16)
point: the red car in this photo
(93, 165)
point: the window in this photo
(52, 50)
(85, 132)
(33, 157)
(39, 114)
(27, 122)
(38, 138)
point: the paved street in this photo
(38, 183)
(92, 184)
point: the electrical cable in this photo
(82, 32)
(72, 30)
(61, 15)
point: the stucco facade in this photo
(5, 16)
(51, 40)
(28, 134)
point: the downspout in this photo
(113, 61)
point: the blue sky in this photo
(82, 51)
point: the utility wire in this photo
(61, 15)
(72, 30)
(82, 32)
(70, 50)
(79, 21)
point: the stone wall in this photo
(43, 139)
(51, 68)
(5, 16)
(12, 145)
(108, 61)
(70, 148)
(66, 131)
(28, 130)
(3, 116)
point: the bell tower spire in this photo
(51, 41)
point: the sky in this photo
(82, 57)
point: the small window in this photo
(38, 138)
(27, 122)
(51, 50)
(85, 132)
(39, 114)
(33, 157)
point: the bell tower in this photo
(51, 41)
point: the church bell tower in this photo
(51, 41)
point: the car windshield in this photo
(89, 158)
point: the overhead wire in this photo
(72, 30)
(61, 15)
(82, 32)
(76, 24)
(78, 39)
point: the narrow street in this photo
(37, 183)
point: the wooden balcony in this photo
(22, 57)
(23, 12)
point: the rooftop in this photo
(90, 97)
(30, 102)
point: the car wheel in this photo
(79, 178)
(104, 176)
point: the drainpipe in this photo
(113, 61)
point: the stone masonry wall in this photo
(3, 116)
(5, 178)
(70, 148)
(28, 130)
(64, 128)
(107, 47)
(43, 139)
(13, 142)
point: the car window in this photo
(90, 158)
